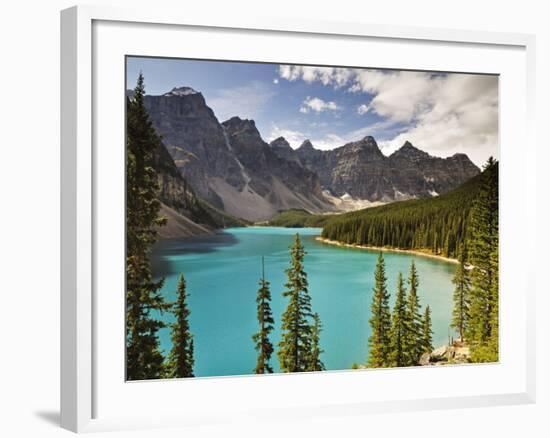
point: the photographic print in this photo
(298, 218)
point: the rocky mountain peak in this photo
(282, 149)
(368, 142)
(460, 156)
(369, 139)
(366, 147)
(280, 143)
(242, 126)
(306, 145)
(181, 91)
(409, 151)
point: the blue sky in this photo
(441, 114)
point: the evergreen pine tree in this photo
(427, 332)
(295, 345)
(144, 359)
(399, 328)
(180, 360)
(263, 345)
(315, 363)
(380, 320)
(461, 296)
(482, 246)
(413, 337)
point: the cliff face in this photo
(285, 183)
(230, 165)
(194, 139)
(359, 169)
(186, 214)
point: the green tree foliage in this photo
(461, 295)
(263, 345)
(380, 320)
(315, 363)
(427, 332)
(483, 254)
(494, 322)
(144, 359)
(180, 360)
(295, 345)
(438, 225)
(399, 355)
(413, 337)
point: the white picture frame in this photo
(85, 174)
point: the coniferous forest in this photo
(462, 224)
(438, 225)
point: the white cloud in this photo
(445, 113)
(362, 109)
(463, 118)
(275, 81)
(244, 101)
(317, 105)
(335, 76)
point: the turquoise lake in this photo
(222, 273)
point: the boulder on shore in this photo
(457, 353)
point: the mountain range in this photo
(233, 170)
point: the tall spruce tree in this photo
(295, 345)
(413, 337)
(263, 345)
(380, 320)
(181, 358)
(143, 357)
(399, 356)
(482, 246)
(461, 295)
(315, 363)
(427, 332)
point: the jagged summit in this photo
(410, 152)
(280, 142)
(282, 148)
(236, 124)
(181, 91)
(306, 145)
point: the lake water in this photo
(222, 274)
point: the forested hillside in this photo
(438, 225)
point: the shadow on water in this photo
(165, 249)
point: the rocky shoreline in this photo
(457, 353)
(383, 249)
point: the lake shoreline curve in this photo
(384, 249)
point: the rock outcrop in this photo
(457, 353)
